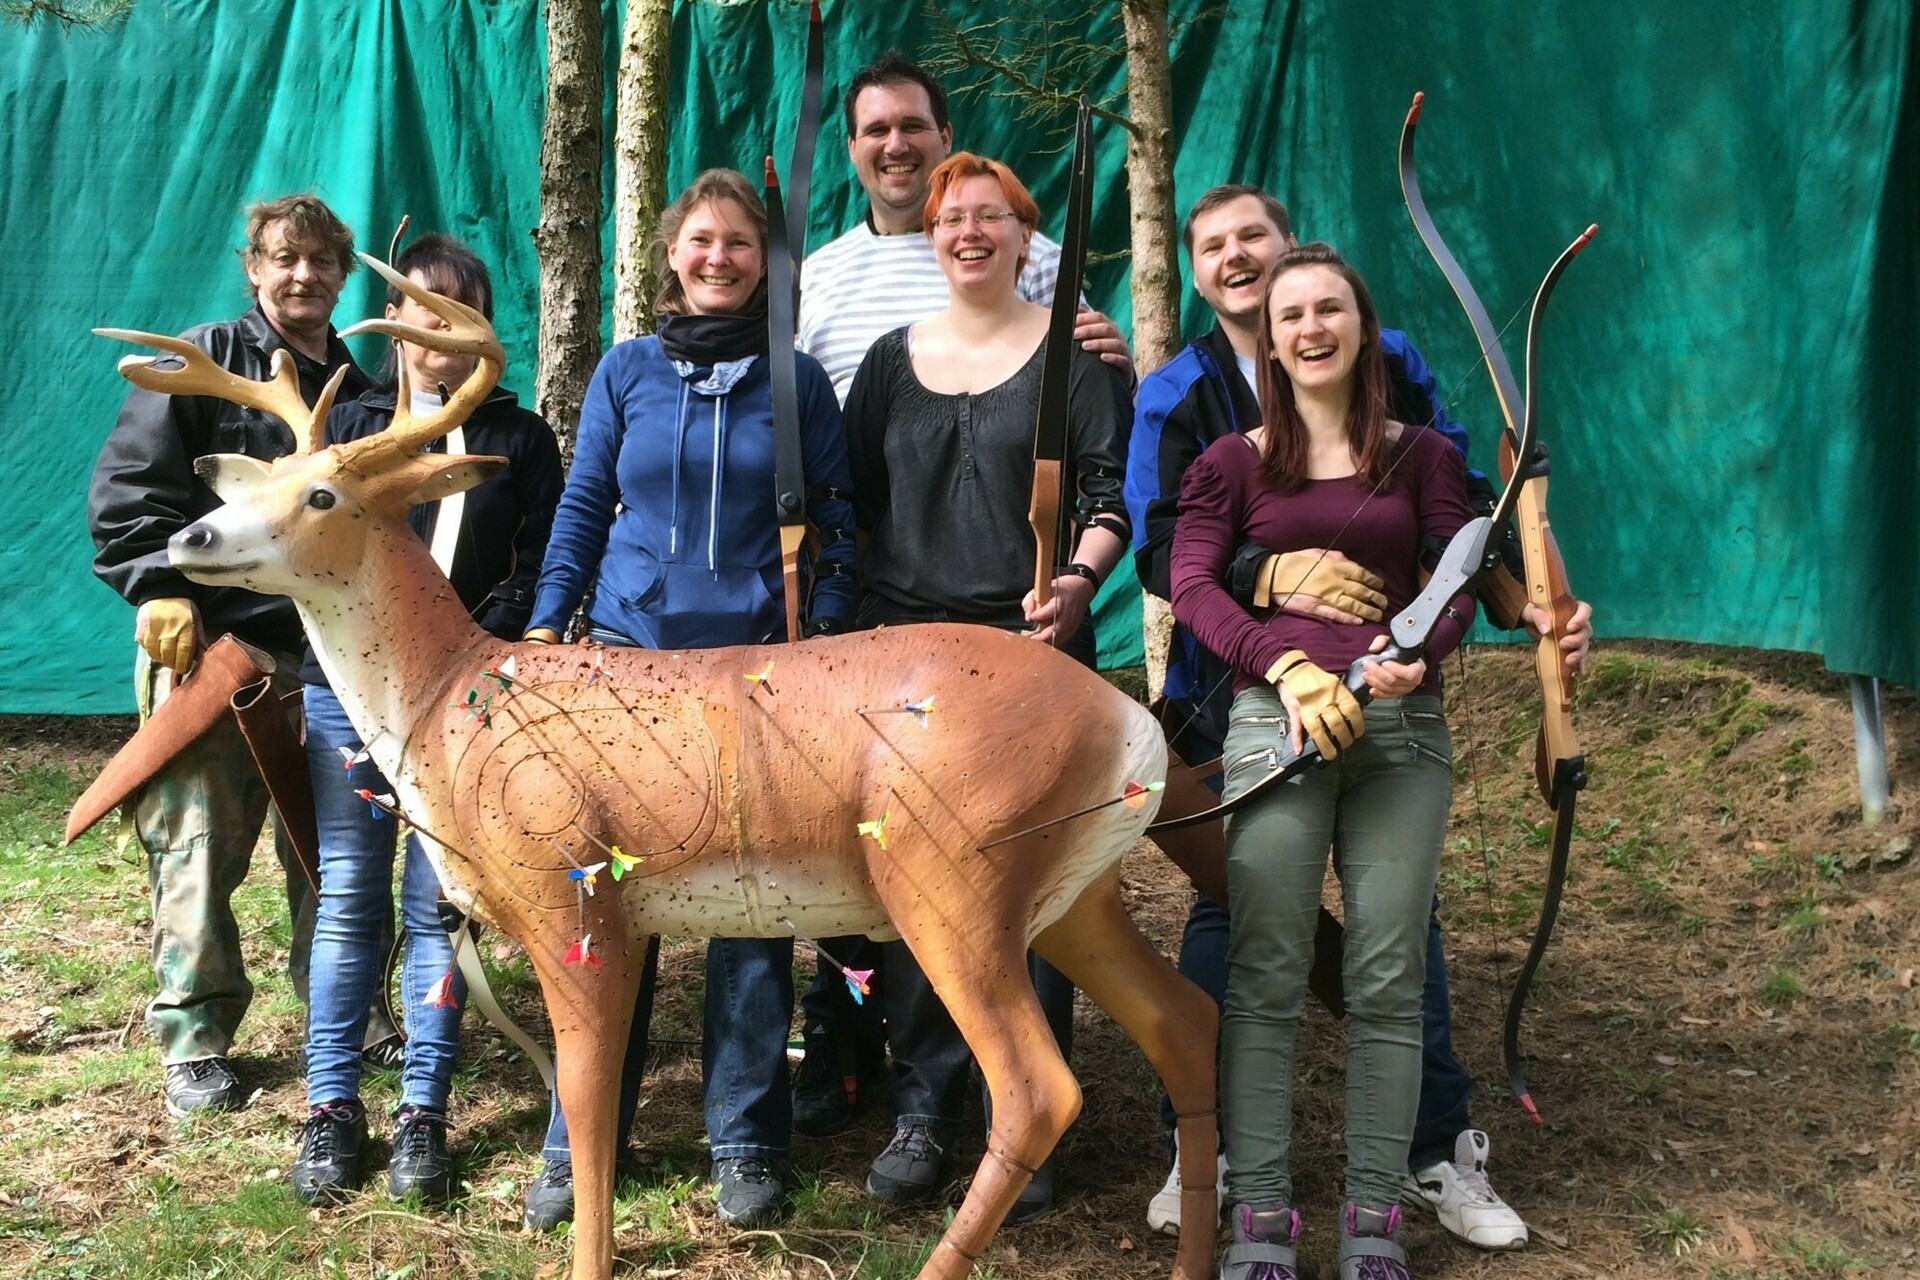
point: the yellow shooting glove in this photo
(1332, 579)
(1329, 712)
(169, 630)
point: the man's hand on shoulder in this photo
(1100, 335)
(169, 628)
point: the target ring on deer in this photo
(545, 792)
(616, 768)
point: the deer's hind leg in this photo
(1098, 946)
(977, 964)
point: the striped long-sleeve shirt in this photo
(863, 285)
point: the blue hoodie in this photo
(668, 513)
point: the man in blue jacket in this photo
(1233, 236)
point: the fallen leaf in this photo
(1742, 1072)
(1553, 1238)
(1697, 1022)
(1743, 1241)
(1666, 1060)
(1906, 978)
(1126, 1244)
(1864, 1149)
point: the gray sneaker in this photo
(550, 1198)
(748, 1191)
(912, 1166)
(205, 1084)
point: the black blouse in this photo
(941, 483)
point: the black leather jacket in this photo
(144, 490)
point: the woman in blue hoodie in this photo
(667, 538)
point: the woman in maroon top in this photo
(1328, 471)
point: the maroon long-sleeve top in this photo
(1224, 503)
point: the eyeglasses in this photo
(954, 219)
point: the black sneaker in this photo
(911, 1167)
(550, 1197)
(328, 1165)
(420, 1164)
(822, 1103)
(748, 1191)
(205, 1084)
(389, 1054)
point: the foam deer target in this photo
(746, 792)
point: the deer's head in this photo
(293, 525)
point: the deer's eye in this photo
(320, 499)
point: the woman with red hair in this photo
(940, 423)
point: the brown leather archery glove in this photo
(1330, 578)
(169, 630)
(1329, 712)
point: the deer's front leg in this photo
(592, 1010)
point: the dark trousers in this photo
(931, 1062)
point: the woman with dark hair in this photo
(1327, 469)
(940, 425)
(489, 541)
(667, 537)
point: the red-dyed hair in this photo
(966, 164)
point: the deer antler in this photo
(467, 333)
(278, 394)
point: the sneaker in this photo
(911, 1167)
(822, 1100)
(420, 1164)
(1459, 1192)
(205, 1084)
(328, 1166)
(1163, 1211)
(389, 1054)
(1263, 1245)
(1370, 1244)
(550, 1197)
(748, 1191)
(1036, 1198)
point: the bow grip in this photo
(1356, 680)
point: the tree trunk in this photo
(568, 237)
(639, 163)
(1156, 271)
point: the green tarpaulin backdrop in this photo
(1728, 382)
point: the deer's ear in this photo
(230, 474)
(455, 475)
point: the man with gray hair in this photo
(200, 816)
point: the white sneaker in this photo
(1459, 1192)
(1163, 1211)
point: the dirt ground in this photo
(1725, 1041)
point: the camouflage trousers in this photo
(199, 820)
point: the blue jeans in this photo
(1446, 1087)
(355, 917)
(743, 1047)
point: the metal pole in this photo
(1869, 747)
